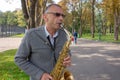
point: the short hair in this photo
(47, 8)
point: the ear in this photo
(44, 16)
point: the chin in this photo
(58, 27)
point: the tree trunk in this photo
(32, 14)
(37, 15)
(80, 31)
(25, 12)
(116, 12)
(116, 27)
(33, 10)
(93, 19)
(39, 11)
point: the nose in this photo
(61, 18)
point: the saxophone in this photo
(59, 72)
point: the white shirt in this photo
(51, 37)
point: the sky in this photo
(14, 4)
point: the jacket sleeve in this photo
(21, 59)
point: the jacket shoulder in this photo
(32, 30)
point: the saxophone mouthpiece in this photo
(61, 25)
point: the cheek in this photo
(51, 20)
(46, 20)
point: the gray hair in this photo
(47, 8)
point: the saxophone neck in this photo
(69, 35)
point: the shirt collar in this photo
(48, 34)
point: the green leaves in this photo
(12, 18)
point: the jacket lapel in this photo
(41, 34)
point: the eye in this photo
(59, 14)
(56, 14)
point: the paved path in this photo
(91, 60)
(9, 43)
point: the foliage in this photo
(102, 16)
(11, 18)
(1, 18)
(111, 10)
(20, 18)
(8, 69)
(14, 18)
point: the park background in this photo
(92, 19)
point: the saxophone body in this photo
(59, 72)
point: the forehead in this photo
(54, 8)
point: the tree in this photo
(113, 7)
(116, 12)
(19, 18)
(93, 18)
(1, 18)
(33, 10)
(11, 18)
(68, 18)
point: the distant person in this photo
(75, 34)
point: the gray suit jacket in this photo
(35, 55)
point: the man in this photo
(75, 34)
(40, 48)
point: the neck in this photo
(51, 30)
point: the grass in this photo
(8, 69)
(105, 38)
(18, 35)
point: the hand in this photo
(46, 76)
(67, 61)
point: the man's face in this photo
(54, 17)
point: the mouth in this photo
(59, 24)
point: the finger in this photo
(46, 76)
(50, 77)
(67, 58)
(67, 63)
